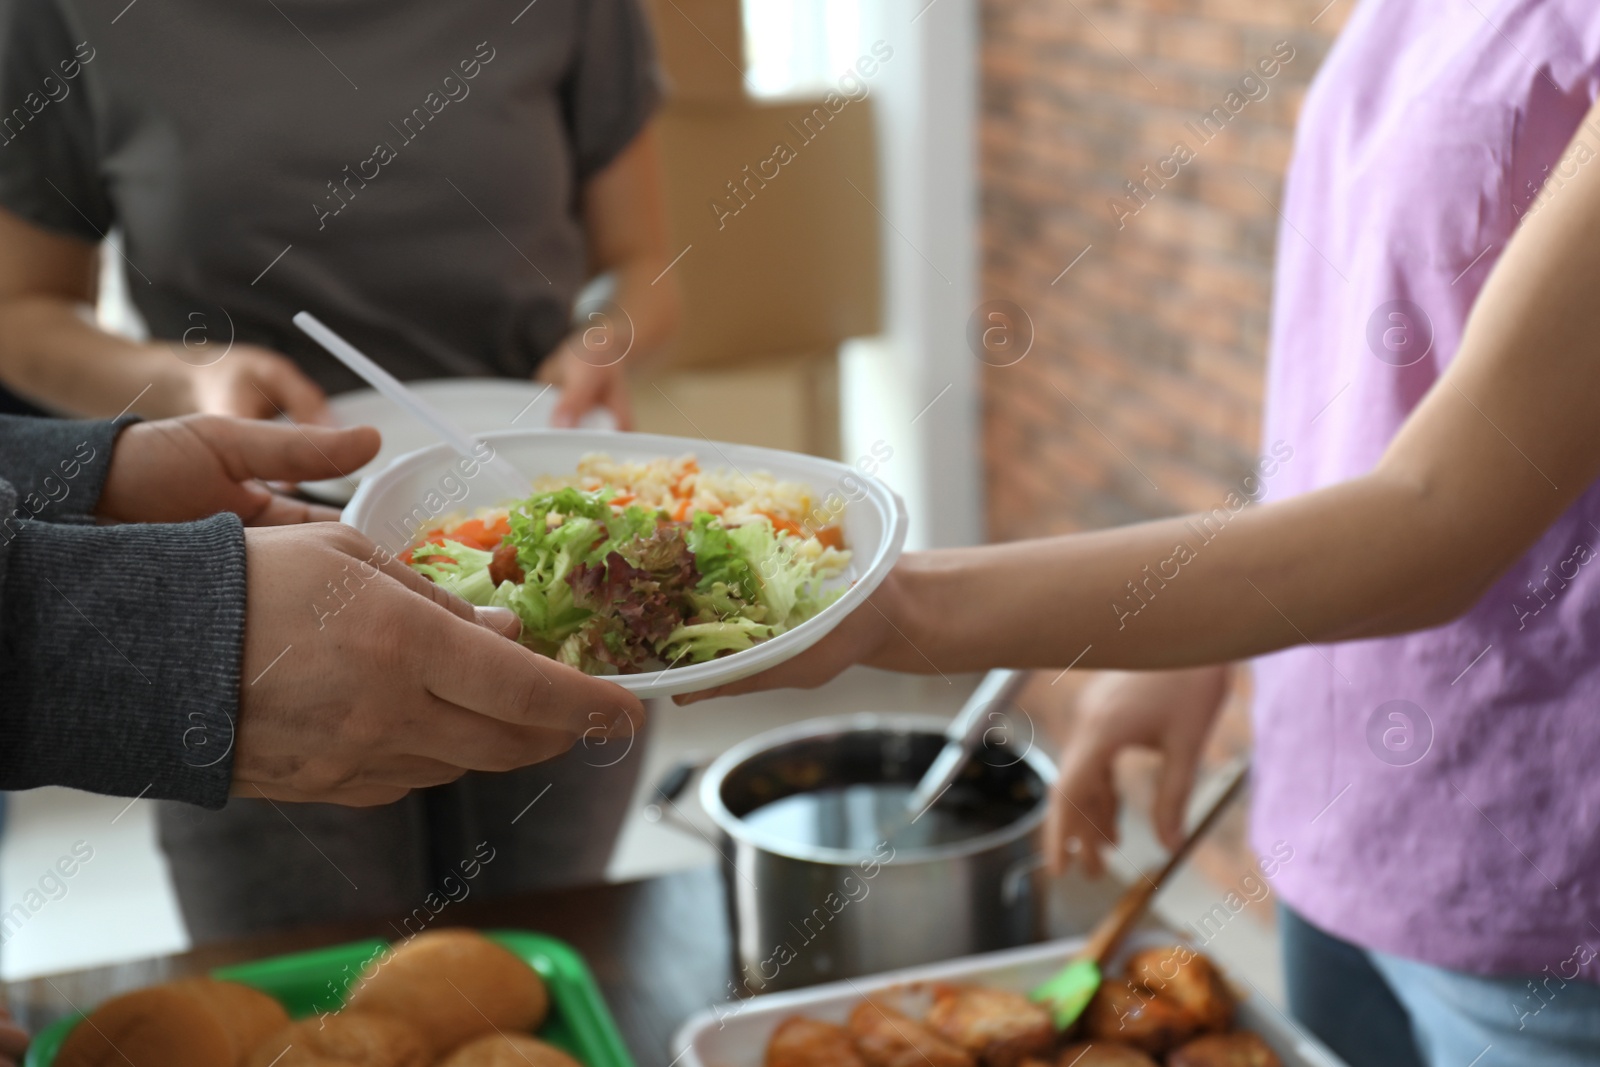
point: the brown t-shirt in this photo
(407, 170)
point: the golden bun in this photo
(508, 1050)
(193, 1023)
(453, 985)
(248, 1014)
(344, 1039)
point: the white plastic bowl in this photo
(393, 505)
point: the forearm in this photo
(52, 352)
(625, 220)
(1497, 449)
(1196, 589)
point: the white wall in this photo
(915, 387)
(927, 112)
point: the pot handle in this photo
(668, 788)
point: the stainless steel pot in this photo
(804, 913)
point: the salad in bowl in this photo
(633, 567)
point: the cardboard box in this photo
(702, 48)
(774, 207)
(791, 404)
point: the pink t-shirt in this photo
(1440, 790)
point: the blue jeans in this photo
(1377, 1010)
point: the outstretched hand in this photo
(178, 470)
(1169, 711)
(587, 383)
(363, 680)
(252, 382)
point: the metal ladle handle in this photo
(962, 737)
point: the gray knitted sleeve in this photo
(120, 646)
(57, 466)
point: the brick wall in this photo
(1140, 395)
(1157, 334)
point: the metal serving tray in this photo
(735, 1034)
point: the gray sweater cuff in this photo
(121, 658)
(58, 466)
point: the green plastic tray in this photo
(314, 981)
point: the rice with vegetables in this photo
(623, 568)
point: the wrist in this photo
(173, 387)
(914, 632)
(116, 498)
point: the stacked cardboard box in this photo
(772, 207)
(701, 43)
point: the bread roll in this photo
(508, 1050)
(453, 985)
(194, 1023)
(248, 1014)
(344, 1039)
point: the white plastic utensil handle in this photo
(514, 482)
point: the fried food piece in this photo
(453, 985)
(997, 1026)
(508, 1050)
(1192, 980)
(802, 1042)
(1126, 1013)
(344, 1039)
(888, 1038)
(1102, 1054)
(193, 1023)
(1238, 1049)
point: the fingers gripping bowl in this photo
(845, 507)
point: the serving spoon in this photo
(962, 738)
(1068, 992)
(508, 479)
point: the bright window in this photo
(799, 46)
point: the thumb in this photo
(273, 451)
(1172, 791)
(503, 621)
